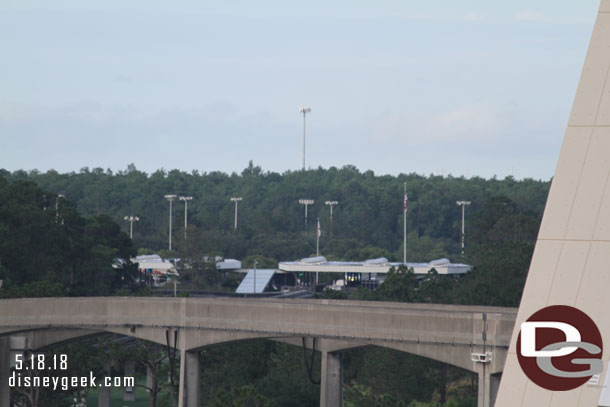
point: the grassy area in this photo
(116, 397)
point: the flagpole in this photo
(404, 246)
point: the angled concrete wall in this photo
(570, 262)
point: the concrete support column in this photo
(182, 383)
(103, 396)
(331, 384)
(5, 368)
(130, 371)
(103, 393)
(494, 387)
(193, 385)
(149, 378)
(484, 388)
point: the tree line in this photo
(48, 248)
(271, 222)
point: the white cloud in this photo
(474, 17)
(530, 15)
(472, 122)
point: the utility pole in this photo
(463, 205)
(131, 219)
(304, 110)
(306, 202)
(186, 200)
(170, 198)
(404, 246)
(236, 200)
(331, 204)
(318, 234)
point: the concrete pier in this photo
(193, 385)
(331, 384)
(5, 369)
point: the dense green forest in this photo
(271, 220)
(52, 245)
(60, 251)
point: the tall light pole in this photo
(463, 205)
(404, 232)
(331, 204)
(306, 202)
(318, 234)
(186, 200)
(236, 199)
(131, 219)
(170, 198)
(304, 110)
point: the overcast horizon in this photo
(463, 88)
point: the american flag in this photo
(405, 201)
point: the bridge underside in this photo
(472, 338)
(330, 349)
(458, 355)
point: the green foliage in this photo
(435, 289)
(367, 222)
(364, 396)
(261, 371)
(503, 239)
(368, 252)
(332, 295)
(498, 277)
(35, 289)
(44, 239)
(470, 401)
(262, 262)
(399, 285)
(244, 396)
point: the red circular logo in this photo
(559, 348)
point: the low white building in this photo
(156, 268)
(372, 266)
(373, 270)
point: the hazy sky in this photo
(461, 87)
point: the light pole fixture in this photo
(331, 204)
(306, 202)
(236, 199)
(131, 219)
(186, 200)
(170, 198)
(304, 110)
(463, 205)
